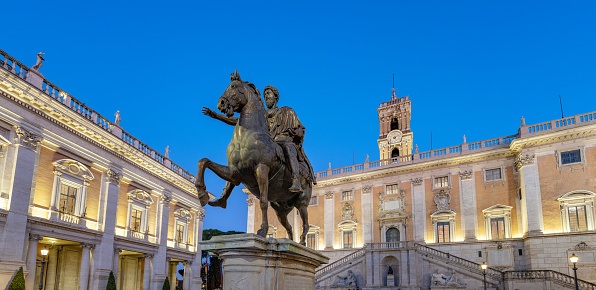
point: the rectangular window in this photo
(313, 200)
(310, 240)
(443, 232)
(493, 174)
(571, 157)
(68, 197)
(577, 218)
(347, 195)
(135, 220)
(442, 181)
(497, 228)
(392, 189)
(348, 237)
(180, 233)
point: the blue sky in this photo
(469, 67)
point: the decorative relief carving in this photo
(201, 214)
(392, 208)
(347, 211)
(582, 246)
(73, 168)
(27, 138)
(367, 189)
(521, 161)
(165, 200)
(183, 214)
(442, 199)
(329, 195)
(113, 177)
(250, 200)
(140, 195)
(466, 175)
(417, 181)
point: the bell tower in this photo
(395, 136)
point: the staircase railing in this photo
(345, 260)
(467, 264)
(549, 275)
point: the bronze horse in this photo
(255, 160)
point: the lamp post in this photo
(484, 266)
(574, 260)
(44, 253)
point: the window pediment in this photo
(140, 196)
(497, 209)
(576, 194)
(442, 213)
(183, 214)
(74, 168)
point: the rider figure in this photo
(287, 131)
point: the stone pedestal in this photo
(252, 262)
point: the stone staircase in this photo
(496, 279)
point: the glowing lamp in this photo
(573, 258)
(484, 266)
(44, 251)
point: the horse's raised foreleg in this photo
(305, 226)
(262, 175)
(282, 214)
(224, 172)
(223, 200)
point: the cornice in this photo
(553, 137)
(99, 138)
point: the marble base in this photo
(253, 262)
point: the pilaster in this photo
(160, 270)
(468, 204)
(250, 219)
(329, 210)
(419, 210)
(530, 190)
(367, 214)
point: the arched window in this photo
(394, 124)
(394, 153)
(392, 235)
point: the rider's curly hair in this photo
(273, 89)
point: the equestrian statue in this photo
(265, 154)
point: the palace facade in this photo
(87, 194)
(519, 203)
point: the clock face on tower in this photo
(394, 137)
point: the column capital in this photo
(113, 177)
(523, 160)
(329, 195)
(117, 250)
(166, 200)
(27, 138)
(148, 256)
(466, 174)
(417, 181)
(188, 262)
(201, 214)
(35, 237)
(87, 246)
(367, 189)
(250, 200)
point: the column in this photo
(160, 269)
(22, 165)
(173, 269)
(197, 282)
(419, 210)
(468, 205)
(367, 214)
(115, 262)
(329, 210)
(52, 266)
(32, 260)
(84, 272)
(531, 199)
(187, 275)
(250, 218)
(147, 271)
(104, 252)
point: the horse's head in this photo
(237, 95)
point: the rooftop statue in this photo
(39, 62)
(265, 154)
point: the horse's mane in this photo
(257, 93)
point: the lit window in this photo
(392, 189)
(577, 211)
(347, 195)
(313, 200)
(348, 239)
(497, 222)
(493, 174)
(180, 232)
(577, 218)
(442, 181)
(68, 198)
(571, 157)
(182, 218)
(135, 220)
(443, 232)
(310, 240)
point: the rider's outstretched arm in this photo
(228, 120)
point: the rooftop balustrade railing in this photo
(55, 93)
